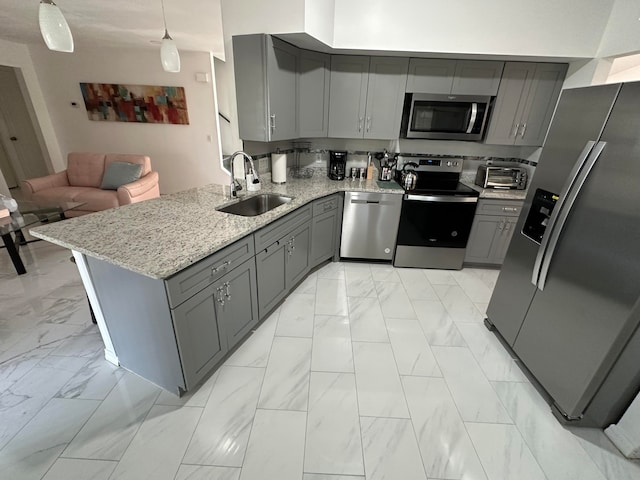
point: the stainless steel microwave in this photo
(444, 117)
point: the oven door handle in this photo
(441, 198)
(474, 114)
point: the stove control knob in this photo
(449, 164)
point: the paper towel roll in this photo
(279, 167)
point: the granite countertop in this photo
(163, 236)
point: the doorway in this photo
(21, 153)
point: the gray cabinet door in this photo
(266, 72)
(501, 243)
(385, 97)
(282, 81)
(200, 342)
(323, 237)
(271, 276)
(525, 103)
(348, 95)
(540, 103)
(298, 250)
(428, 75)
(485, 233)
(504, 124)
(477, 77)
(237, 308)
(314, 73)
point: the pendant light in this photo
(169, 55)
(54, 28)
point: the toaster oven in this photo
(501, 177)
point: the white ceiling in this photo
(193, 24)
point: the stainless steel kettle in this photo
(409, 177)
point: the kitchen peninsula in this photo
(174, 282)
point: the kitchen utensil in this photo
(409, 177)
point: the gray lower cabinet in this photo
(325, 229)
(214, 320)
(200, 341)
(282, 257)
(272, 278)
(525, 103)
(237, 302)
(493, 227)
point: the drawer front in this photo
(279, 228)
(508, 208)
(190, 281)
(325, 205)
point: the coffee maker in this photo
(337, 165)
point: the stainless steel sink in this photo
(255, 205)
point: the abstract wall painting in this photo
(110, 102)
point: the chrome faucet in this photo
(247, 158)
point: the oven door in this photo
(446, 117)
(434, 230)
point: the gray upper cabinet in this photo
(266, 74)
(348, 95)
(366, 96)
(427, 75)
(525, 103)
(385, 97)
(477, 77)
(313, 94)
(455, 77)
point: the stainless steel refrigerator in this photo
(567, 298)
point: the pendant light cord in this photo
(164, 19)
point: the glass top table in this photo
(28, 214)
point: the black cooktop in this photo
(439, 184)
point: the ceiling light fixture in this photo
(54, 28)
(169, 55)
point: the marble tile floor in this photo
(364, 372)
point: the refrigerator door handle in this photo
(566, 188)
(566, 210)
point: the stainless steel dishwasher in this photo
(370, 225)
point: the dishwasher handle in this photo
(441, 198)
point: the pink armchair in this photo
(81, 181)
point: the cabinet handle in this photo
(524, 127)
(220, 298)
(509, 209)
(227, 293)
(368, 124)
(501, 226)
(273, 122)
(507, 225)
(359, 124)
(220, 267)
(515, 130)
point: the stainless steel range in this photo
(437, 214)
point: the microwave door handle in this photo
(474, 114)
(566, 210)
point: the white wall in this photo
(622, 35)
(319, 17)
(18, 56)
(568, 28)
(182, 154)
